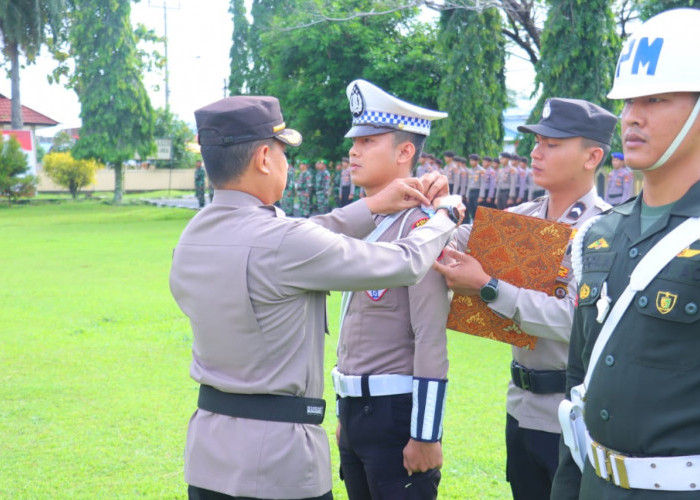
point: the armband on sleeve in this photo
(428, 408)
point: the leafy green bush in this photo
(74, 174)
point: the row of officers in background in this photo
(497, 182)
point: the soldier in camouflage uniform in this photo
(287, 201)
(322, 187)
(303, 189)
(335, 172)
(200, 180)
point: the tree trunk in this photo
(118, 182)
(13, 50)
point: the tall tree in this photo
(309, 70)
(239, 48)
(24, 27)
(578, 55)
(263, 12)
(473, 88)
(649, 8)
(117, 116)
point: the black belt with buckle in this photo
(271, 407)
(538, 381)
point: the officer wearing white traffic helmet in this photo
(391, 377)
(634, 369)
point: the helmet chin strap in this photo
(679, 138)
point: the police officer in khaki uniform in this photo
(620, 181)
(392, 349)
(450, 171)
(458, 174)
(489, 183)
(253, 284)
(347, 188)
(641, 405)
(506, 177)
(572, 139)
(475, 188)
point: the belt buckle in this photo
(618, 462)
(525, 382)
(614, 463)
(603, 470)
(343, 384)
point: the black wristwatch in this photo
(452, 212)
(489, 291)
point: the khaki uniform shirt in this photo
(548, 317)
(397, 330)
(505, 179)
(490, 176)
(476, 179)
(253, 284)
(461, 181)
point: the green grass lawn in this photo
(95, 355)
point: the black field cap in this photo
(474, 156)
(562, 118)
(238, 119)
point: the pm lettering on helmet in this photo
(646, 55)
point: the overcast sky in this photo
(199, 40)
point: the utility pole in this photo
(165, 43)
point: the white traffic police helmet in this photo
(661, 56)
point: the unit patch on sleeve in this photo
(598, 244)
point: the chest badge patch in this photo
(584, 292)
(665, 302)
(598, 244)
(420, 222)
(375, 295)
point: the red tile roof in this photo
(29, 116)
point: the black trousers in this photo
(502, 198)
(344, 195)
(532, 461)
(373, 433)
(472, 199)
(196, 493)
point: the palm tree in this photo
(23, 28)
